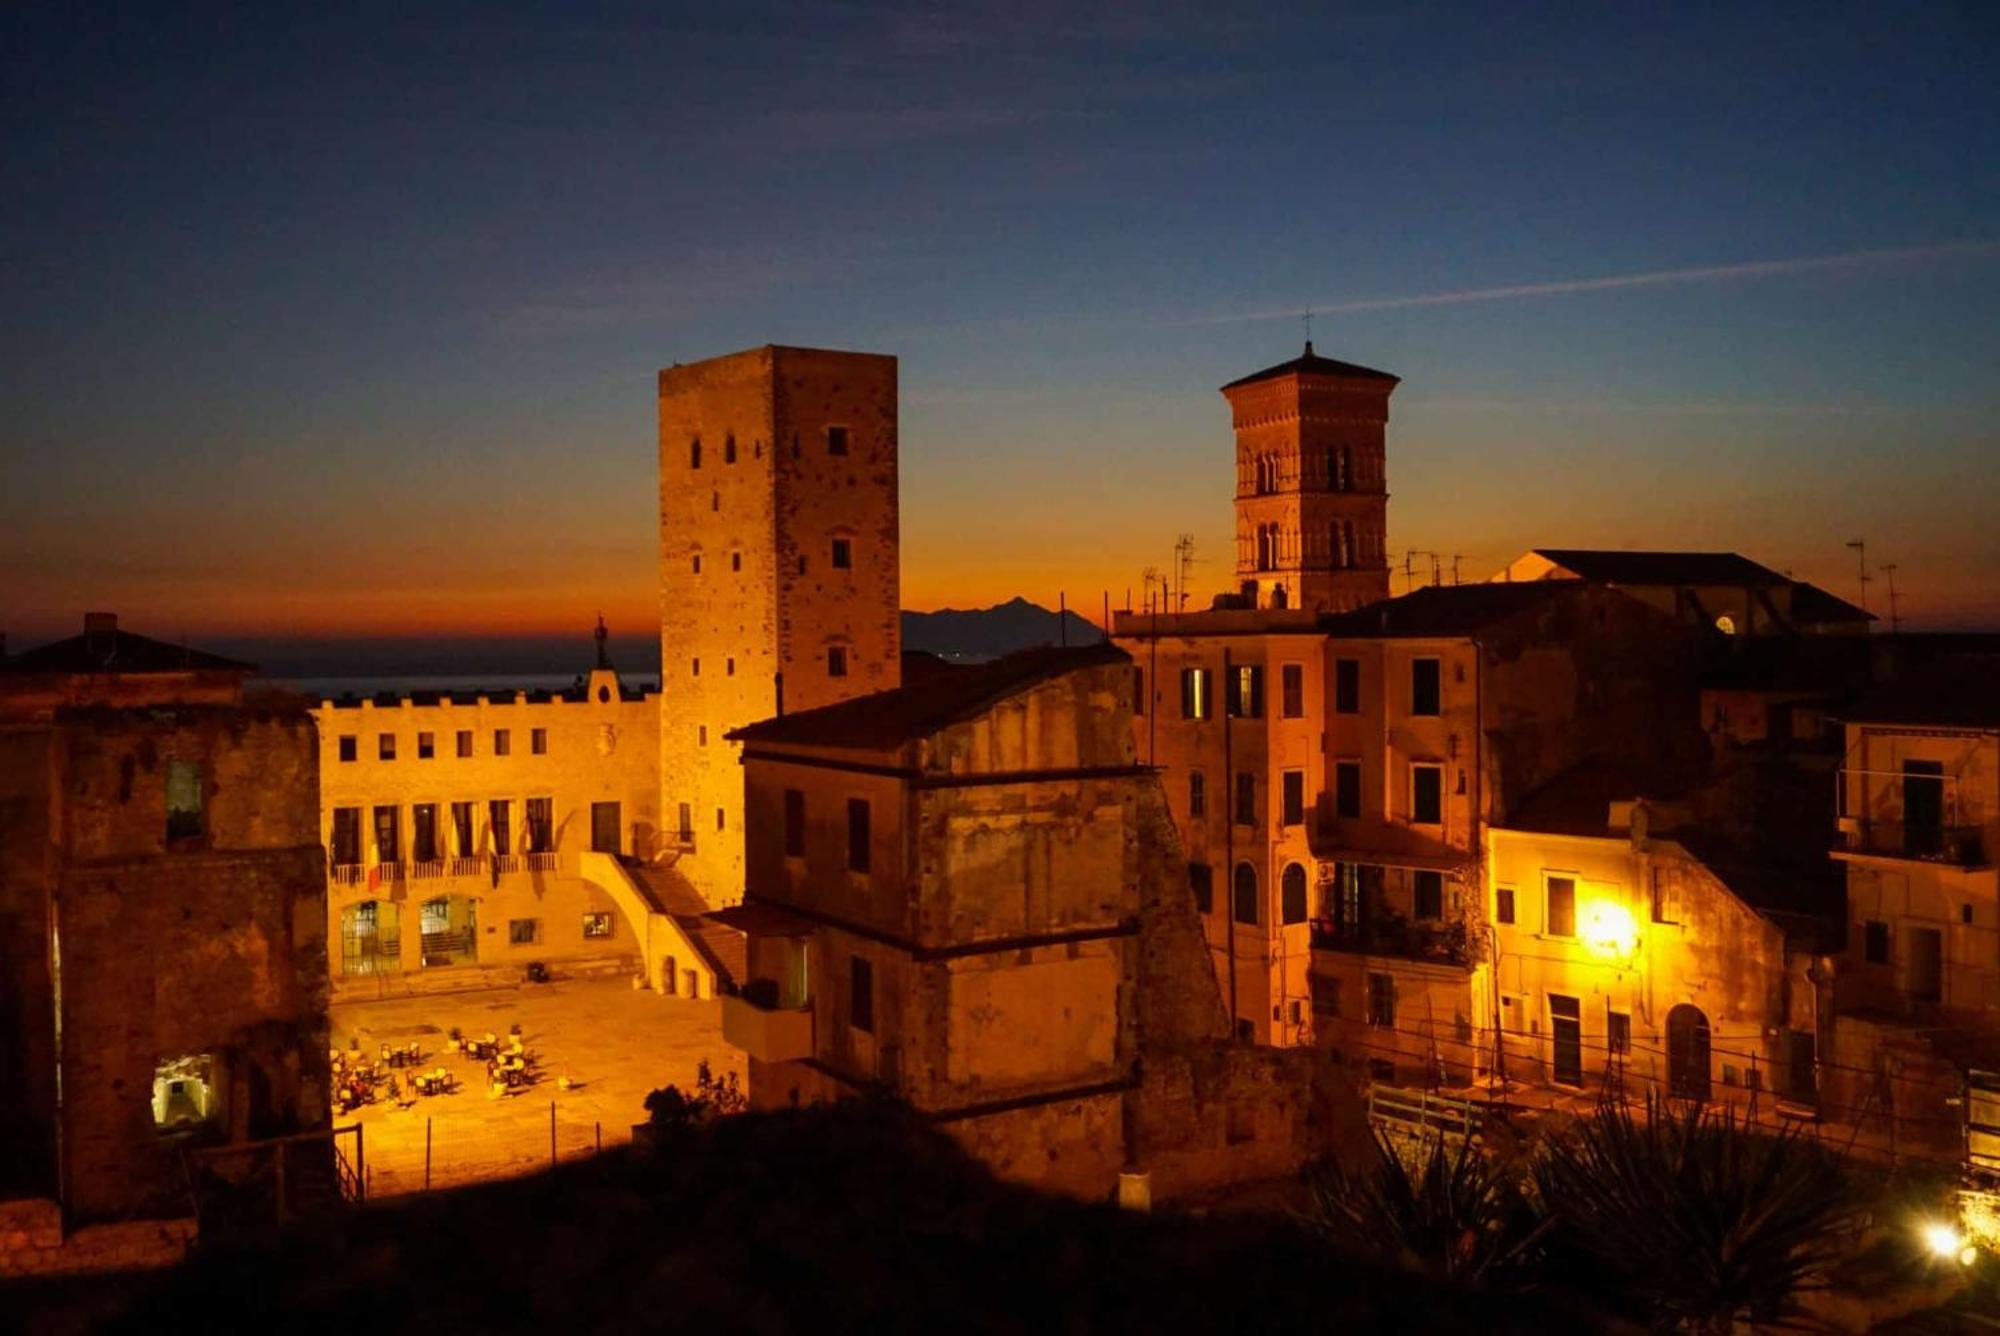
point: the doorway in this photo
(1923, 808)
(1566, 1039)
(605, 826)
(1687, 1053)
(1926, 946)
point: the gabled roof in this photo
(1811, 604)
(1662, 568)
(1441, 610)
(1578, 800)
(1310, 363)
(917, 709)
(1962, 691)
(118, 652)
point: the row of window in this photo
(349, 745)
(840, 555)
(1278, 546)
(858, 830)
(427, 836)
(1246, 690)
(1426, 794)
(836, 444)
(1337, 474)
(1427, 888)
(836, 663)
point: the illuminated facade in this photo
(778, 570)
(477, 833)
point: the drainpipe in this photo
(1480, 844)
(1229, 842)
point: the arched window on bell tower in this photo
(1263, 547)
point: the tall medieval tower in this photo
(1311, 491)
(779, 564)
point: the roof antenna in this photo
(601, 636)
(1860, 547)
(1888, 569)
(1309, 331)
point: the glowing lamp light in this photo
(1946, 1242)
(1609, 929)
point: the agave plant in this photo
(1698, 1220)
(1449, 1210)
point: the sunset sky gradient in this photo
(343, 320)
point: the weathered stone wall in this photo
(217, 947)
(33, 1243)
(766, 602)
(1073, 1146)
(27, 1016)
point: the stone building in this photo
(468, 835)
(162, 898)
(1918, 988)
(1719, 591)
(967, 892)
(778, 569)
(1311, 484)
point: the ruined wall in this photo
(214, 946)
(749, 595)
(1073, 1146)
(27, 1016)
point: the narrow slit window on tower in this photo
(697, 563)
(836, 661)
(694, 453)
(729, 449)
(843, 554)
(735, 561)
(836, 440)
(184, 801)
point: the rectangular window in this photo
(461, 826)
(836, 661)
(1503, 904)
(1201, 880)
(500, 824)
(1618, 1031)
(1664, 908)
(464, 742)
(385, 746)
(1243, 895)
(347, 835)
(387, 846)
(1246, 799)
(795, 824)
(861, 995)
(729, 449)
(686, 822)
(1425, 687)
(1427, 795)
(185, 801)
(503, 742)
(1382, 1001)
(1561, 920)
(1292, 895)
(1197, 793)
(1427, 894)
(1347, 686)
(1194, 693)
(426, 746)
(836, 440)
(694, 453)
(857, 834)
(843, 554)
(1347, 788)
(721, 819)
(1246, 691)
(538, 741)
(1875, 942)
(596, 924)
(1138, 691)
(541, 820)
(1292, 689)
(1293, 805)
(607, 828)
(349, 747)
(424, 832)
(524, 932)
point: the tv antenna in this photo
(1860, 547)
(1456, 557)
(1308, 319)
(1183, 560)
(1888, 569)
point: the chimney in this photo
(100, 631)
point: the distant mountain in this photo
(970, 635)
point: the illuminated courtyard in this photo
(613, 1043)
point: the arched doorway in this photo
(1292, 894)
(1687, 1053)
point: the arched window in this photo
(1263, 547)
(1350, 556)
(1244, 901)
(1687, 1053)
(1292, 894)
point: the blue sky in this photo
(344, 322)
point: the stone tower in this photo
(779, 564)
(1311, 496)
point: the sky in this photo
(342, 321)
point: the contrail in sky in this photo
(1713, 273)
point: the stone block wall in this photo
(32, 1242)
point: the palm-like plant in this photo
(1450, 1211)
(1696, 1218)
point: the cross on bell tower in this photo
(1311, 483)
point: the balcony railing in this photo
(539, 862)
(427, 869)
(1958, 846)
(1435, 943)
(346, 874)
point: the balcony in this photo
(1432, 943)
(1925, 842)
(753, 1022)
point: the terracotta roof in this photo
(1310, 363)
(118, 652)
(1442, 610)
(1662, 568)
(1578, 801)
(1962, 691)
(917, 709)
